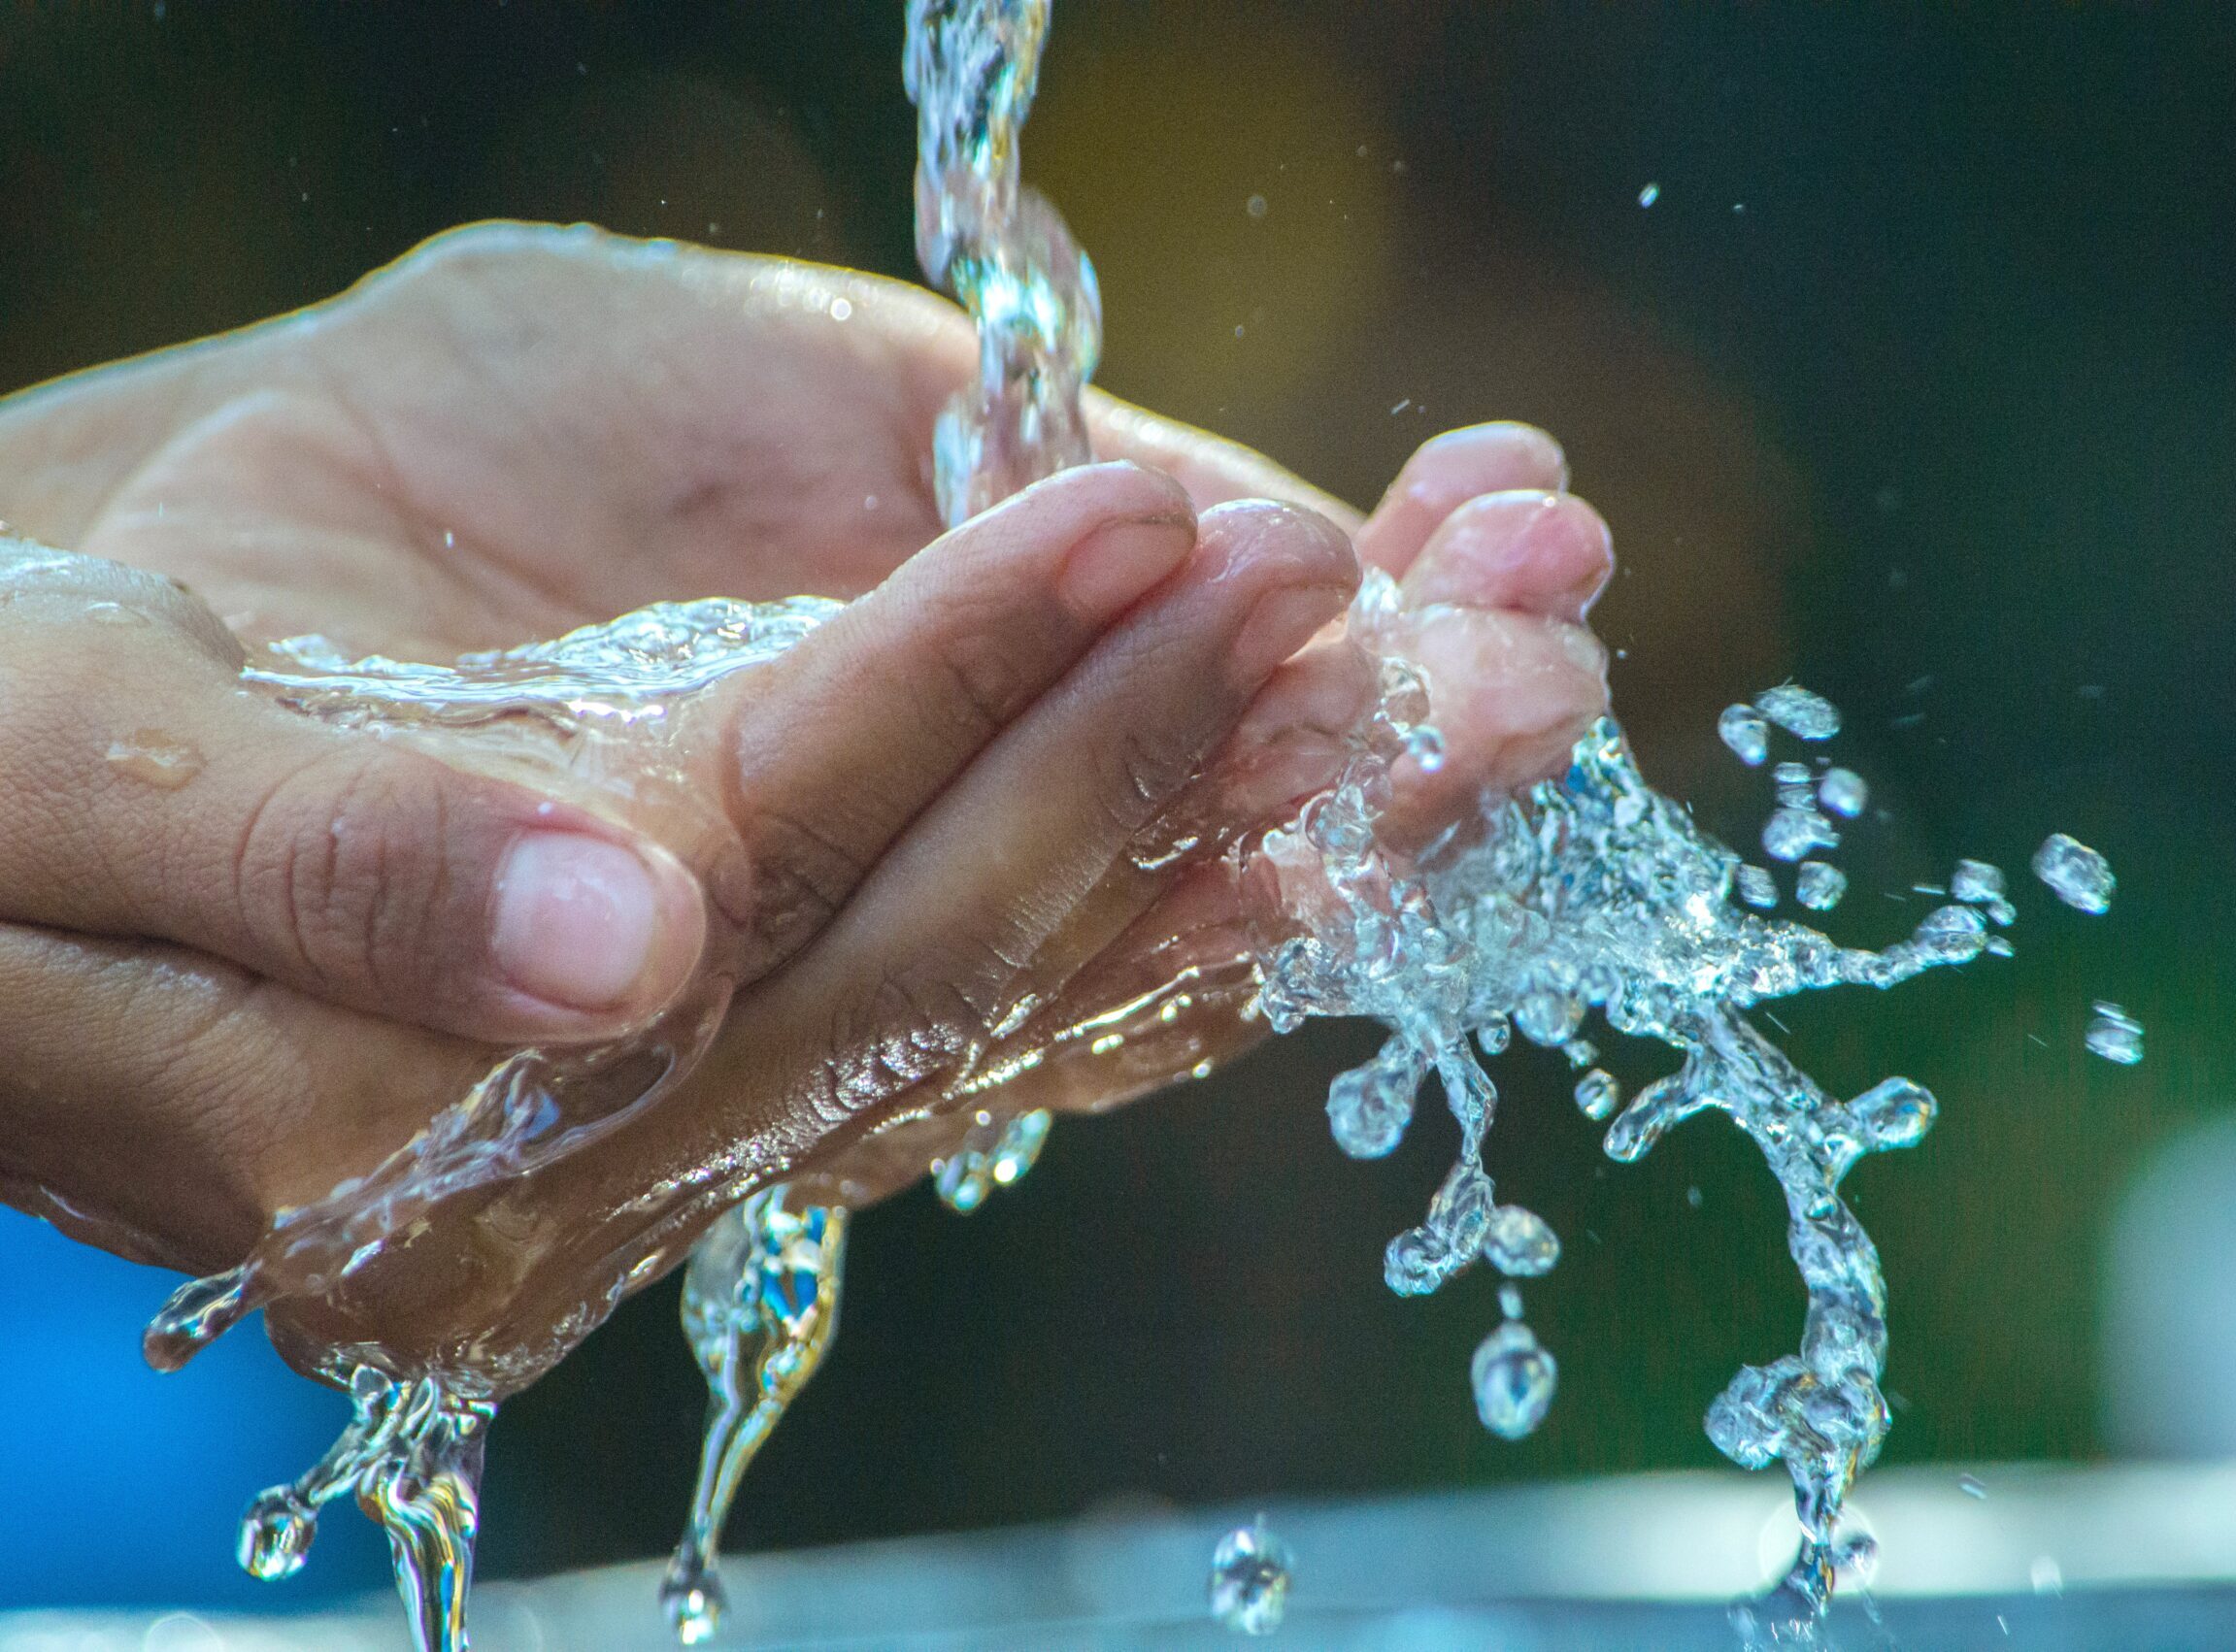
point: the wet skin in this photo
(922, 823)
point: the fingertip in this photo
(1493, 451)
(1263, 532)
(589, 935)
(1301, 570)
(1446, 471)
(1549, 554)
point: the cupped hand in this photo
(286, 965)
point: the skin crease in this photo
(921, 824)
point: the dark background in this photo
(1918, 380)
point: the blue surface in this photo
(124, 1486)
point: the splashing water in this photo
(760, 1307)
(971, 68)
(1591, 893)
(413, 1451)
(413, 1456)
(1596, 892)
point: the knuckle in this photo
(979, 682)
(907, 1027)
(341, 866)
(1142, 769)
(802, 876)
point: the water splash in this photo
(1596, 892)
(601, 700)
(412, 1454)
(760, 1307)
(1591, 893)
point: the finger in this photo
(1548, 554)
(148, 794)
(1510, 694)
(175, 1102)
(841, 743)
(1444, 474)
(1214, 470)
(912, 984)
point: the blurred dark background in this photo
(1916, 379)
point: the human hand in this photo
(342, 469)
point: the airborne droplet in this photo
(1249, 1572)
(1514, 1380)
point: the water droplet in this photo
(1650, 194)
(114, 614)
(2046, 1575)
(1791, 833)
(1976, 881)
(276, 1535)
(1416, 1263)
(1547, 1015)
(1795, 788)
(1894, 1112)
(841, 309)
(2075, 874)
(1745, 733)
(1521, 1242)
(2115, 1035)
(1970, 1485)
(1510, 1300)
(1250, 1578)
(156, 759)
(1843, 791)
(695, 1604)
(1256, 205)
(1598, 1094)
(1369, 1106)
(1820, 887)
(1756, 887)
(1798, 712)
(1514, 1380)
(1694, 1198)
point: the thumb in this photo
(146, 793)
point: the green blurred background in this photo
(1915, 380)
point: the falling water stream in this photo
(1590, 895)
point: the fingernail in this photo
(1115, 564)
(1282, 622)
(577, 919)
